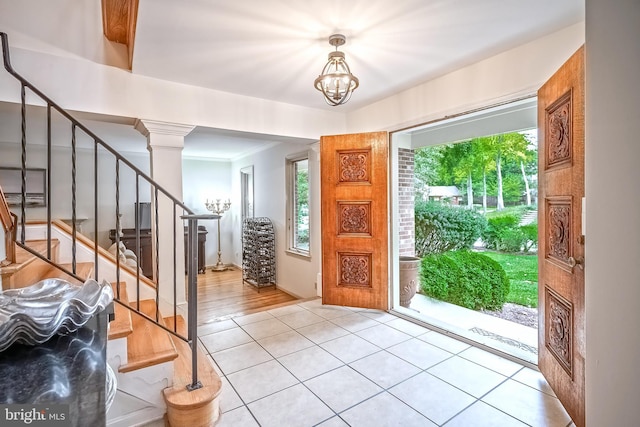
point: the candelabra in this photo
(218, 208)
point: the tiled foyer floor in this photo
(314, 365)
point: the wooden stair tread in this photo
(24, 257)
(148, 344)
(83, 269)
(198, 407)
(120, 326)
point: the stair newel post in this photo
(192, 296)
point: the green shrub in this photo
(496, 226)
(510, 240)
(530, 232)
(468, 279)
(503, 233)
(441, 228)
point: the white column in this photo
(165, 142)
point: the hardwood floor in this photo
(222, 295)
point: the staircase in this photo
(529, 217)
(161, 370)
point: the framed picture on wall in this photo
(11, 182)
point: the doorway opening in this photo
(467, 210)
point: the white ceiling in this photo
(274, 49)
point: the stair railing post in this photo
(192, 297)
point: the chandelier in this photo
(336, 81)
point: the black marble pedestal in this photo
(68, 369)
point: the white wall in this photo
(612, 243)
(510, 75)
(294, 274)
(210, 179)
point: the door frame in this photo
(399, 139)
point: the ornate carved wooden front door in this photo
(354, 219)
(561, 336)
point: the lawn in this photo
(522, 271)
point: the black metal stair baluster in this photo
(175, 271)
(118, 229)
(23, 193)
(138, 251)
(49, 181)
(73, 198)
(95, 209)
(157, 229)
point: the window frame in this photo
(291, 202)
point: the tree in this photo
(426, 168)
(508, 147)
(485, 160)
(458, 160)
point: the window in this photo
(298, 203)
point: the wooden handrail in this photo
(9, 227)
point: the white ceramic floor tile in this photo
(354, 322)
(322, 332)
(225, 339)
(252, 318)
(229, 399)
(283, 344)
(261, 380)
(329, 312)
(444, 342)
(432, 397)
(300, 318)
(491, 361)
(240, 417)
(333, 422)
(310, 362)
(482, 415)
(210, 328)
(421, 354)
(384, 369)
(240, 357)
(311, 304)
(384, 410)
(265, 328)
(215, 366)
(342, 388)
(380, 316)
(467, 376)
(294, 406)
(350, 348)
(533, 379)
(287, 309)
(383, 336)
(528, 405)
(407, 327)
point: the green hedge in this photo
(503, 233)
(468, 279)
(441, 228)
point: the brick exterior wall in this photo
(406, 201)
